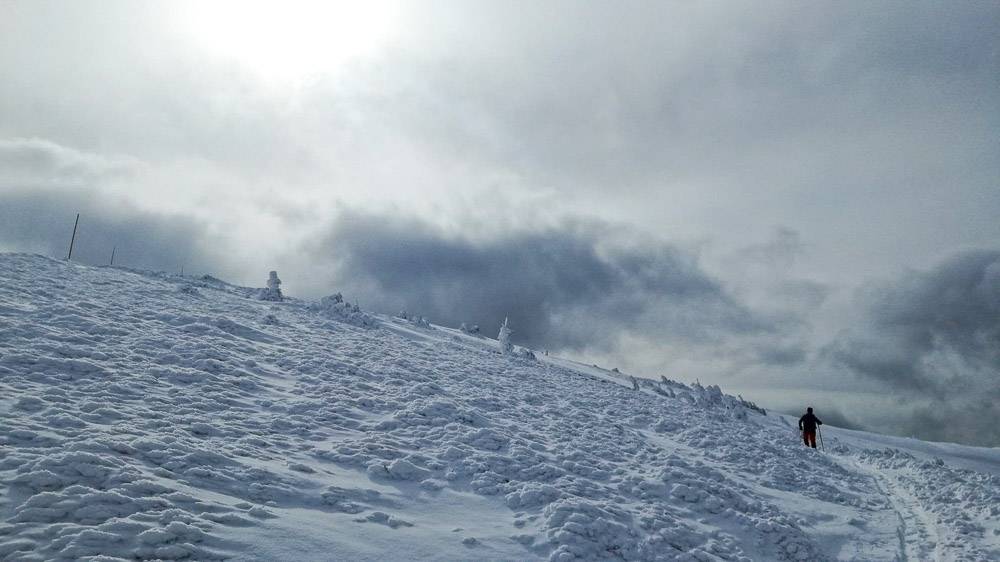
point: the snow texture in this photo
(146, 416)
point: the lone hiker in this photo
(807, 425)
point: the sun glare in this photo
(289, 39)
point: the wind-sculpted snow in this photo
(149, 416)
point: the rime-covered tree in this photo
(506, 347)
(273, 290)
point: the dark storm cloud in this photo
(44, 185)
(782, 356)
(934, 338)
(570, 286)
(40, 220)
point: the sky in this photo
(797, 201)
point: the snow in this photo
(154, 416)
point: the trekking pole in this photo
(820, 432)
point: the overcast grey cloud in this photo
(934, 338)
(41, 221)
(32, 159)
(573, 286)
(44, 185)
(719, 177)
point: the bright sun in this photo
(289, 39)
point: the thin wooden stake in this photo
(113, 248)
(73, 239)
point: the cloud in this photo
(33, 160)
(764, 273)
(933, 339)
(43, 185)
(579, 284)
(837, 122)
(40, 220)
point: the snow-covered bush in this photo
(471, 330)
(335, 307)
(664, 381)
(713, 397)
(506, 347)
(415, 319)
(526, 353)
(273, 290)
(751, 406)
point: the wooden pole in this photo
(113, 248)
(73, 239)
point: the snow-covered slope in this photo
(152, 416)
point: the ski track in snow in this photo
(917, 531)
(944, 513)
(152, 416)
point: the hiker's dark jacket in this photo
(809, 422)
